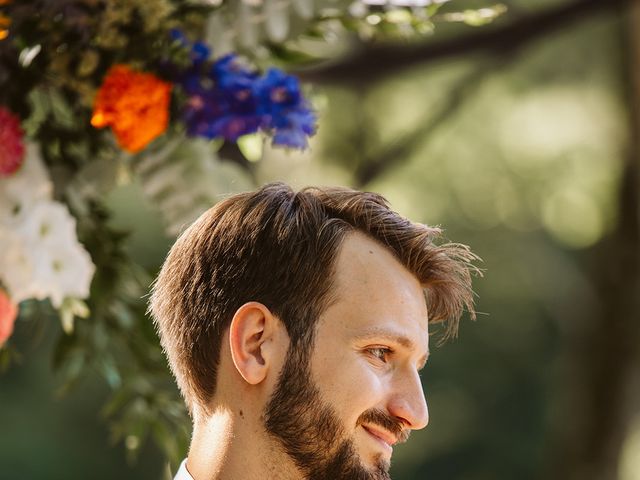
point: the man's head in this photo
(351, 282)
(358, 393)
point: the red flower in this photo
(8, 315)
(11, 146)
(135, 105)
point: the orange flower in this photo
(8, 314)
(135, 105)
(5, 23)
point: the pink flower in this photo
(8, 315)
(11, 146)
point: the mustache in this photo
(381, 418)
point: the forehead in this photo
(374, 292)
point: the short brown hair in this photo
(278, 247)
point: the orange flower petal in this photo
(8, 315)
(135, 105)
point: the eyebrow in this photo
(403, 340)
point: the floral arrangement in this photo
(95, 92)
(185, 88)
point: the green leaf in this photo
(63, 350)
(433, 9)
(111, 373)
(276, 20)
(63, 114)
(478, 17)
(40, 108)
(166, 438)
(117, 402)
(398, 15)
(292, 56)
(71, 308)
(71, 369)
(123, 315)
(251, 146)
(7, 355)
(185, 177)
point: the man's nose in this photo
(407, 402)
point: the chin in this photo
(380, 463)
(375, 460)
(378, 467)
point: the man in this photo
(296, 325)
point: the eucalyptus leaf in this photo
(304, 8)
(40, 108)
(276, 20)
(116, 402)
(185, 178)
(53, 148)
(123, 315)
(433, 9)
(8, 354)
(217, 35)
(63, 114)
(166, 438)
(398, 15)
(96, 178)
(247, 28)
(72, 367)
(292, 56)
(100, 336)
(63, 350)
(79, 150)
(111, 373)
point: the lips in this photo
(382, 435)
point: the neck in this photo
(230, 446)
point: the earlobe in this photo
(250, 333)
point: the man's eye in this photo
(381, 353)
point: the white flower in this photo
(30, 184)
(60, 267)
(47, 261)
(63, 271)
(40, 256)
(16, 269)
(47, 225)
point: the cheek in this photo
(351, 384)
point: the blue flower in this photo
(228, 71)
(178, 36)
(299, 126)
(226, 99)
(200, 53)
(286, 111)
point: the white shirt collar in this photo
(183, 473)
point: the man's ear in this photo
(252, 335)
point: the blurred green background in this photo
(520, 139)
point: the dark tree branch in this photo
(398, 151)
(375, 63)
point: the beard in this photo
(310, 431)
